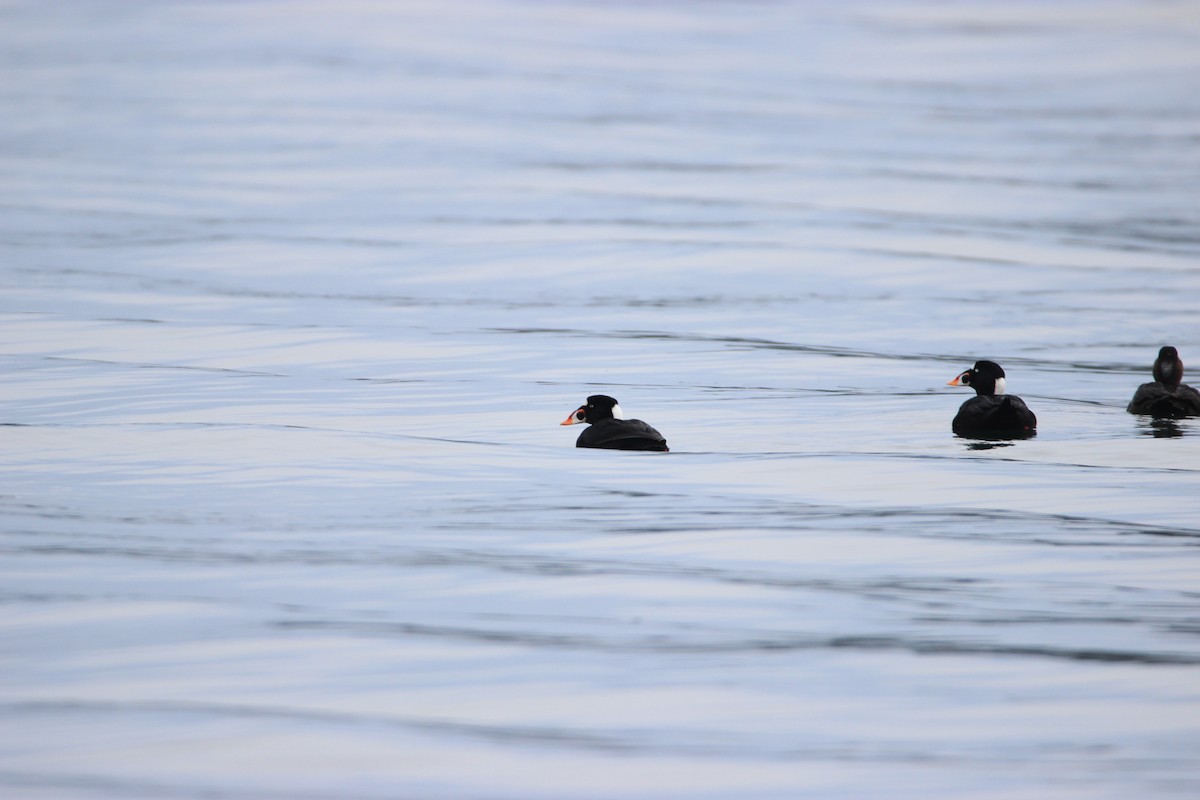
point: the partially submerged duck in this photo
(1167, 396)
(991, 414)
(608, 429)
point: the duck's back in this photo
(1002, 415)
(1159, 401)
(622, 434)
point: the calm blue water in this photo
(294, 296)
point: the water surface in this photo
(295, 295)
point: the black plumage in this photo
(1167, 396)
(991, 414)
(608, 431)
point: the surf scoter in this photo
(608, 428)
(991, 413)
(1166, 396)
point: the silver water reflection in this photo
(296, 295)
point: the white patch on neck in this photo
(618, 413)
(1168, 370)
(999, 385)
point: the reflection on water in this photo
(294, 302)
(1161, 428)
(986, 444)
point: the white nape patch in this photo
(1168, 370)
(999, 385)
(618, 413)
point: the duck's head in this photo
(1168, 368)
(986, 378)
(598, 407)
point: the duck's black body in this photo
(608, 431)
(1157, 401)
(991, 414)
(622, 434)
(1001, 416)
(1167, 396)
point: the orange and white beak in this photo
(576, 416)
(957, 380)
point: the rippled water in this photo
(295, 296)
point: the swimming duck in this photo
(608, 428)
(991, 413)
(1166, 396)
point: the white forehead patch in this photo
(618, 413)
(999, 385)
